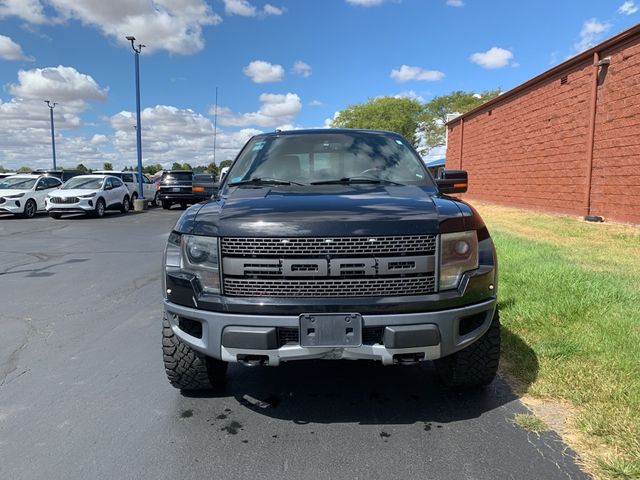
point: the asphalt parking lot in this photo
(83, 392)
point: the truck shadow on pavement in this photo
(362, 392)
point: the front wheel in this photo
(186, 368)
(166, 204)
(475, 365)
(30, 209)
(100, 208)
(125, 205)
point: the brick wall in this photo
(531, 149)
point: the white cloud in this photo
(273, 10)
(410, 94)
(25, 133)
(171, 134)
(495, 57)
(302, 69)
(365, 3)
(171, 25)
(591, 32)
(315, 103)
(406, 73)
(262, 72)
(10, 50)
(99, 139)
(60, 84)
(276, 110)
(239, 7)
(455, 3)
(628, 8)
(29, 10)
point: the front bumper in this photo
(12, 205)
(83, 206)
(407, 336)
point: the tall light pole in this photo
(51, 106)
(138, 129)
(215, 127)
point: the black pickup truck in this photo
(184, 187)
(331, 244)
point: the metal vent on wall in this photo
(564, 80)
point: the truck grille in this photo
(329, 245)
(329, 267)
(65, 200)
(351, 287)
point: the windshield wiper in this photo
(263, 181)
(350, 180)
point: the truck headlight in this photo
(196, 255)
(458, 254)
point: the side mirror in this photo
(42, 186)
(108, 187)
(452, 181)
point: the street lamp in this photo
(138, 129)
(51, 106)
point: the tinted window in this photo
(177, 177)
(116, 182)
(306, 158)
(127, 177)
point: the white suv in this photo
(130, 179)
(25, 194)
(89, 194)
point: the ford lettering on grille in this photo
(329, 267)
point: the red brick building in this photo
(567, 140)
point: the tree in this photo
(176, 166)
(3, 170)
(212, 168)
(186, 166)
(24, 170)
(435, 113)
(107, 166)
(81, 168)
(152, 169)
(401, 115)
(225, 163)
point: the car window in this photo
(127, 177)
(145, 179)
(17, 183)
(108, 183)
(84, 183)
(50, 182)
(177, 177)
(116, 182)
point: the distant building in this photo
(567, 140)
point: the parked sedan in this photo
(25, 195)
(89, 194)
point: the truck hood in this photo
(334, 210)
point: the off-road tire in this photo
(475, 365)
(186, 368)
(166, 205)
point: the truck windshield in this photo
(325, 158)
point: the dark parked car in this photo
(204, 186)
(331, 244)
(176, 186)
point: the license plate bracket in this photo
(330, 330)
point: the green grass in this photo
(569, 294)
(530, 422)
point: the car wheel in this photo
(125, 205)
(476, 365)
(30, 209)
(166, 204)
(55, 215)
(183, 205)
(156, 201)
(186, 368)
(100, 208)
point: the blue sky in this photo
(277, 64)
